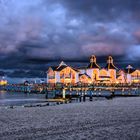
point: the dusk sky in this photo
(40, 31)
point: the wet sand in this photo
(117, 119)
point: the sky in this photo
(34, 33)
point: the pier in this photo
(78, 92)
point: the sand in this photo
(117, 119)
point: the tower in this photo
(111, 69)
(129, 70)
(93, 68)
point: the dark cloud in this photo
(48, 30)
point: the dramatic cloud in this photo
(48, 30)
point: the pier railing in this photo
(76, 90)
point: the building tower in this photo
(111, 69)
(93, 69)
(129, 70)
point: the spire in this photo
(129, 69)
(110, 59)
(110, 64)
(93, 59)
(93, 63)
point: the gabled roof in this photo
(85, 75)
(62, 66)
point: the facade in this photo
(121, 77)
(93, 73)
(93, 69)
(62, 74)
(132, 74)
(111, 69)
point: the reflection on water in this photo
(18, 98)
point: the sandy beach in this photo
(117, 119)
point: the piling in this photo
(64, 93)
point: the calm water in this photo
(18, 98)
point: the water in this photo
(19, 98)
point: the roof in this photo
(110, 66)
(85, 75)
(62, 66)
(118, 76)
(129, 69)
(54, 67)
(93, 65)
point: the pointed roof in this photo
(129, 69)
(62, 63)
(93, 64)
(62, 66)
(110, 64)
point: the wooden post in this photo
(64, 93)
(84, 97)
(80, 95)
(90, 98)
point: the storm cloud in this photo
(49, 30)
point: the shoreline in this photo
(55, 102)
(105, 119)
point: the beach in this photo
(117, 119)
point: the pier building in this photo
(62, 74)
(132, 74)
(92, 73)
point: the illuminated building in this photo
(93, 69)
(93, 73)
(84, 78)
(62, 74)
(104, 76)
(132, 74)
(121, 77)
(111, 69)
(3, 81)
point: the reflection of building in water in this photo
(93, 73)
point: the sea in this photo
(20, 98)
